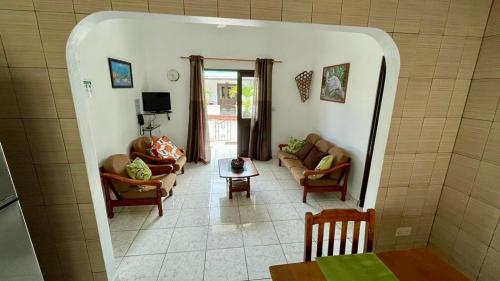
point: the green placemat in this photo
(360, 267)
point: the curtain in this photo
(260, 130)
(198, 147)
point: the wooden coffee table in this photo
(237, 180)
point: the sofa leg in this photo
(279, 162)
(175, 183)
(182, 170)
(110, 214)
(160, 209)
(304, 196)
(343, 195)
(171, 192)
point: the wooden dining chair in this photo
(332, 216)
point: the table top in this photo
(225, 170)
(408, 265)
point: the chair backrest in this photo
(117, 164)
(141, 144)
(343, 216)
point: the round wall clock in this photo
(173, 75)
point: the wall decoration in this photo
(304, 84)
(173, 75)
(334, 82)
(121, 73)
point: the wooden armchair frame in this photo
(333, 216)
(281, 146)
(341, 182)
(155, 160)
(107, 187)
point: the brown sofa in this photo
(139, 147)
(334, 179)
(131, 192)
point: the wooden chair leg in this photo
(110, 212)
(182, 170)
(344, 191)
(279, 162)
(304, 196)
(175, 183)
(171, 192)
(160, 208)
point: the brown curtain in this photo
(198, 148)
(260, 130)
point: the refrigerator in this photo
(18, 261)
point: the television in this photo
(156, 102)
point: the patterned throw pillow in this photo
(294, 145)
(138, 170)
(324, 164)
(164, 148)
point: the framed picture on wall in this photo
(334, 82)
(121, 73)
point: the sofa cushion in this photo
(313, 158)
(283, 155)
(290, 163)
(141, 144)
(302, 154)
(179, 163)
(138, 170)
(294, 145)
(136, 192)
(298, 174)
(323, 145)
(312, 138)
(340, 156)
(324, 164)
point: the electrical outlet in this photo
(403, 231)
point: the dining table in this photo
(407, 265)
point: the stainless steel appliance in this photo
(18, 261)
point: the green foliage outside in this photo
(247, 94)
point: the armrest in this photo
(281, 145)
(329, 171)
(156, 183)
(152, 158)
(161, 169)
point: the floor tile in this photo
(290, 231)
(222, 200)
(168, 220)
(173, 203)
(254, 213)
(144, 268)
(186, 266)
(224, 236)
(274, 197)
(259, 258)
(224, 215)
(225, 264)
(259, 233)
(150, 241)
(282, 211)
(188, 239)
(196, 201)
(193, 217)
(254, 199)
(128, 221)
(122, 240)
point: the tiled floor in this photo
(204, 235)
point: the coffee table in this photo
(237, 180)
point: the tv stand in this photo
(149, 129)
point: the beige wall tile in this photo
(440, 168)
(443, 236)
(234, 9)
(89, 223)
(434, 16)
(402, 167)
(399, 101)
(458, 17)
(449, 135)
(200, 8)
(468, 254)
(426, 54)
(495, 242)
(392, 139)
(461, 173)
(59, 81)
(439, 98)
(326, 11)
(450, 55)
(54, 31)
(478, 17)
(430, 137)
(490, 269)
(65, 221)
(45, 140)
(472, 137)
(492, 149)
(409, 133)
(266, 9)
(54, 5)
(95, 255)
(452, 205)
(383, 14)
(355, 12)
(469, 57)
(91, 6)
(483, 99)
(21, 39)
(75, 260)
(417, 95)
(422, 171)
(100, 276)
(17, 4)
(26, 182)
(488, 62)
(432, 200)
(458, 99)
(56, 184)
(8, 107)
(80, 183)
(386, 171)
(486, 184)
(166, 6)
(409, 16)
(394, 202)
(297, 10)
(3, 59)
(71, 136)
(480, 220)
(34, 95)
(493, 26)
(80, 17)
(130, 5)
(406, 45)
(14, 142)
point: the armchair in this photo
(139, 147)
(131, 192)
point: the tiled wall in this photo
(439, 41)
(466, 230)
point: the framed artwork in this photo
(121, 73)
(334, 82)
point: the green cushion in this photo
(324, 164)
(138, 170)
(294, 145)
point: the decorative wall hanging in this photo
(173, 75)
(121, 73)
(334, 82)
(304, 84)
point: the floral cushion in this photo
(294, 145)
(163, 147)
(138, 170)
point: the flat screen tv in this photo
(156, 101)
